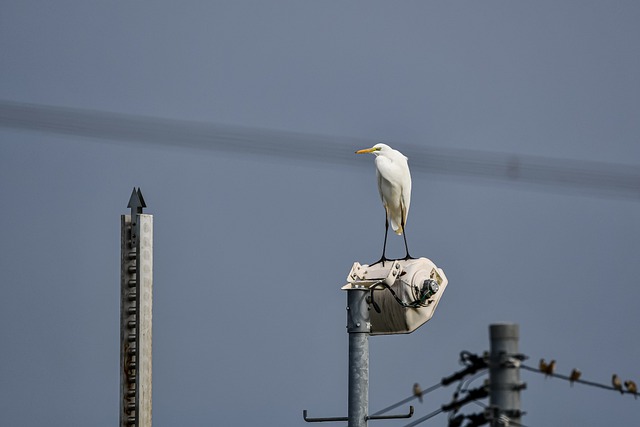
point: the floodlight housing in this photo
(406, 292)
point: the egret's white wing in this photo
(394, 185)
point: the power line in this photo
(508, 421)
(425, 418)
(475, 394)
(408, 399)
(475, 367)
(580, 381)
(472, 364)
(593, 178)
(464, 385)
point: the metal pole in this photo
(358, 327)
(504, 374)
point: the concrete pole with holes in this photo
(136, 290)
(504, 374)
(358, 327)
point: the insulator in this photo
(132, 269)
(132, 283)
(131, 324)
(132, 296)
(132, 337)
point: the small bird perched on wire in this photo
(632, 388)
(551, 368)
(547, 368)
(617, 384)
(542, 366)
(574, 376)
(394, 186)
(417, 391)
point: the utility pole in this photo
(136, 298)
(358, 327)
(408, 292)
(504, 375)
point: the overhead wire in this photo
(465, 384)
(593, 178)
(425, 418)
(474, 361)
(579, 380)
(472, 364)
(408, 399)
(467, 359)
(597, 178)
(510, 420)
(470, 360)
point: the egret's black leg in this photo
(384, 246)
(404, 234)
(405, 246)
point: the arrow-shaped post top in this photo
(136, 203)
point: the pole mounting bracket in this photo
(365, 276)
(358, 272)
(368, 417)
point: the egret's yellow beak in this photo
(366, 150)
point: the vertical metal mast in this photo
(358, 327)
(408, 293)
(504, 374)
(136, 291)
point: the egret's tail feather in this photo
(397, 228)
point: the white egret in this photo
(394, 185)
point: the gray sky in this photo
(250, 250)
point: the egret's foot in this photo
(381, 260)
(408, 257)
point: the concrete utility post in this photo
(136, 291)
(504, 375)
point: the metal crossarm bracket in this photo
(357, 273)
(394, 272)
(392, 417)
(370, 417)
(323, 419)
(361, 276)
